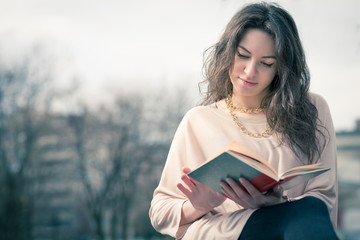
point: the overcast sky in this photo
(115, 45)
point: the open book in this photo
(236, 161)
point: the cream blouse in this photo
(204, 131)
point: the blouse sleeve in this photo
(165, 209)
(325, 186)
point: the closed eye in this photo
(267, 64)
(243, 56)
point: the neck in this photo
(253, 112)
(246, 102)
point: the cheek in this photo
(238, 67)
(269, 76)
(233, 71)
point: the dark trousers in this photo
(303, 219)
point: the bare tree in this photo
(106, 146)
(22, 111)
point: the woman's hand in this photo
(202, 197)
(246, 195)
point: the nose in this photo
(250, 69)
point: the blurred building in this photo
(348, 150)
(61, 203)
(55, 203)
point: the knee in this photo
(308, 208)
(310, 219)
(304, 213)
(312, 205)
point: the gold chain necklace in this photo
(243, 110)
(264, 134)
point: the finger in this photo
(243, 196)
(251, 189)
(224, 194)
(184, 190)
(278, 190)
(242, 200)
(228, 193)
(238, 189)
(235, 198)
(226, 189)
(186, 170)
(189, 182)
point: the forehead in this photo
(258, 42)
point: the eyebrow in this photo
(243, 48)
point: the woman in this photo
(257, 95)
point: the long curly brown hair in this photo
(290, 112)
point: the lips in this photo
(247, 83)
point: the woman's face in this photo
(254, 65)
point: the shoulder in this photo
(195, 119)
(199, 112)
(320, 103)
(317, 100)
(323, 109)
(201, 116)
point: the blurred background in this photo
(91, 93)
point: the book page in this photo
(261, 166)
(302, 170)
(293, 180)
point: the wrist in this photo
(200, 210)
(189, 213)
